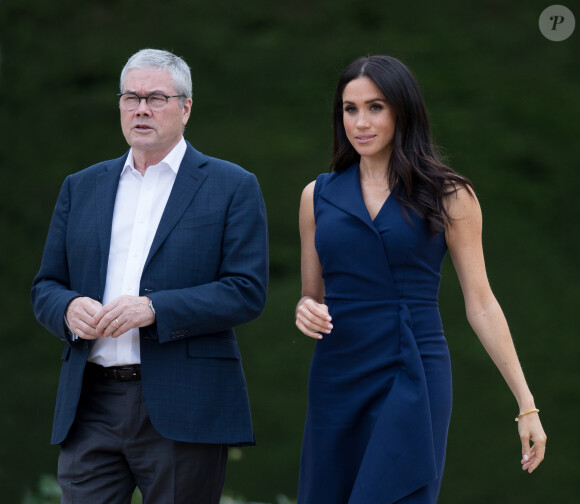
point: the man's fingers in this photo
(106, 323)
(83, 330)
(82, 309)
(92, 307)
(79, 317)
(122, 314)
(117, 327)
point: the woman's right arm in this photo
(312, 316)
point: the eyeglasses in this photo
(155, 101)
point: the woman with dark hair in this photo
(374, 233)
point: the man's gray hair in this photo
(162, 60)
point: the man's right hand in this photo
(79, 314)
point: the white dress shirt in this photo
(139, 205)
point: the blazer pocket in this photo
(217, 347)
(197, 221)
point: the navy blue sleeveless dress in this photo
(379, 393)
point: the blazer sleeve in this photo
(238, 295)
(51, 292)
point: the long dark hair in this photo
(421, 179)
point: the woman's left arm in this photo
(463, 236)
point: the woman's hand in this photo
(530, 429)
(463, 236)
(312, 318)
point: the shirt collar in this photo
(172, 160)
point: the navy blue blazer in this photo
(206, 273)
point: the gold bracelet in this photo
(535, 410)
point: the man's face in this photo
(153, 133)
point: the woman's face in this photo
(368, 119)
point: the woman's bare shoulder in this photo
(309, 189)
(461, 202)
(308, 192)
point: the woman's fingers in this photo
(313, 319)
(531, 430)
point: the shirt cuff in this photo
(72, 335)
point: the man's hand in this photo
(122, 314)
(79, 316)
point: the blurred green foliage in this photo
(49, 492)
(504, 104)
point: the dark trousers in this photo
(112, 448)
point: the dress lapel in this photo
(344, 192)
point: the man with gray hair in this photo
(150, 262)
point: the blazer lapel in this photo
(188, 181)
(344, 192)
(106, 187)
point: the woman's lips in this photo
(364, 138)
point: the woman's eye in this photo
(376, 106)
(349, 110)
